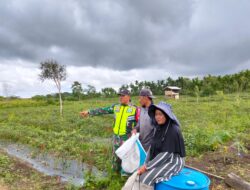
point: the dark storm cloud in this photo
(115, 34)
(190, 37)
(217, 39)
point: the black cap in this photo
(146, 92)
(124, 92)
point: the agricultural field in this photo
(216, 130)
(15, 174)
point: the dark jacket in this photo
(167, 137)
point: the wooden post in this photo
(210, 174)
(236, 182)
(231, 180)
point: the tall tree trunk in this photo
(60, 99)
(61, 104)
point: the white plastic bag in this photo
(132, 154)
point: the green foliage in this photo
(4, 161)
(109, 92)
(77, 89)
(206, 125)
(5, 174)
(19, 103)
(51, 69)
(207, 86)
(112, 181)
(17, 175)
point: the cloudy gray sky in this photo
(107, 43)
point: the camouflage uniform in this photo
(125, 116)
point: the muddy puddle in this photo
(68, 170)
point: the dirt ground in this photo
(3, 187)
(222, 162)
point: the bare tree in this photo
(51, 70)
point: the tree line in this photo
(206, 86)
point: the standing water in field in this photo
(71, 171)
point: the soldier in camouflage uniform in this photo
(125, 117)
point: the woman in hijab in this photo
(166, 155)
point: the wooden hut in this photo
(172, 92)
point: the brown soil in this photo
(2, 187)
(222, 162)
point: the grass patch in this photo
(206, 125)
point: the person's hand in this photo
(141, 170)
(84, 113)
(134, 131)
